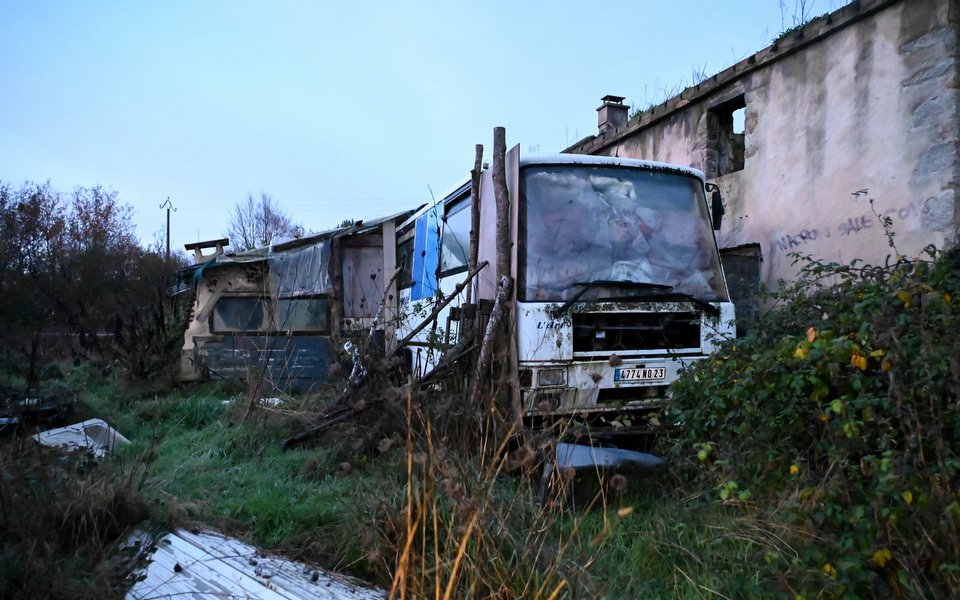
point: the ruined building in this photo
(858, 105)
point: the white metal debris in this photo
(208, 565)
(94, 435)
(585, 458)
(580, 456)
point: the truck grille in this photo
(618, 332)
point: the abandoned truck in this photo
(618, 280)
(618, 285)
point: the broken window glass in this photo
(583, 224)
(455, 241)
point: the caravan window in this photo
(455, 240)
(238, 315)
(302, 315)
(258, 315)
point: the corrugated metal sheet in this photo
(207, 565)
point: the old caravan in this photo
(275, 315)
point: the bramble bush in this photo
(834, 422)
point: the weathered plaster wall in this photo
(871, 105)
(853, 112)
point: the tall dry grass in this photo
(63, 519)
(488, 524)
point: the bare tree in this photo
(255, 223)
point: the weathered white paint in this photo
(860, 105)
(546, 341)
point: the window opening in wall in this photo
(727, 137)
(302, 315)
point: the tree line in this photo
(76, 283)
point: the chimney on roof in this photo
(199, 257)
(612, 114)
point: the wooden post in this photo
(502, 196)
(506, 371)
(500, 326)
(388, 305)
(469, 326)
(475, 212)
(336, 302)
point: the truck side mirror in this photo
(716, 205)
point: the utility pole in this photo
(168, 205)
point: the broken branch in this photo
(441, 306)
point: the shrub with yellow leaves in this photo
(854, 376)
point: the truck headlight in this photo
(551, 377)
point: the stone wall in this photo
(851, 119)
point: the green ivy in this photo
(837, 416)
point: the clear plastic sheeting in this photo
(301, 272)
(614, 224)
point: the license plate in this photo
(640, 374)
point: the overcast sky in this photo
(337, 110)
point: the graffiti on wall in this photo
(848, 227)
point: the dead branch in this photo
(441, 306)
(475, 211)
(486, 349)
(502, 196)
(338, 414)
(336, 408)
(329, 420)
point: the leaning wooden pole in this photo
(507, 370)
(496, 337)
(441, 305)
(502, 196)
(491, 335)
(475, 214)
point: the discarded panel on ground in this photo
(580, 457)
(94, 435)
(207, 565)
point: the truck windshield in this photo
(619, 224)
